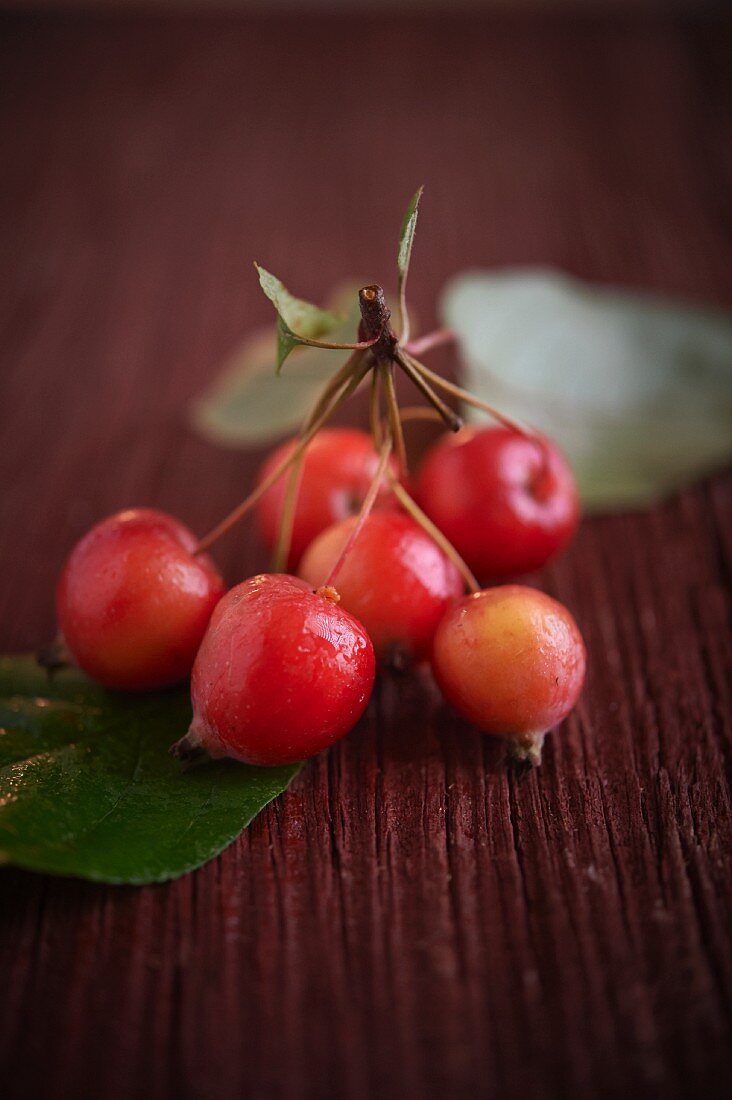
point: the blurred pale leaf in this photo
(636, 389)
(250, 404)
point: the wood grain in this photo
(411, 920)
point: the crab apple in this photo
(133, 601)
(395, 580)
(512, 661)
(507, 502)
(282, 673)
(337, 471)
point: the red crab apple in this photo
(512, 661)
(282, 673)
(395, 580)
(507, 502)
(337, 470)
(133, 602)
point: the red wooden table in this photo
(410, 920)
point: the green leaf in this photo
(406, 237)
(295, 317)
(636, 389)
(249, 405)
(88, 788)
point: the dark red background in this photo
(410, 920)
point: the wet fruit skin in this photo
(511, 660)
(395, 580)
(505, 507)
(133, 603)
(337, 471)
(282, 673)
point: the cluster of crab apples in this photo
(369, 568)
(283, 664)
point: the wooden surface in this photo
(410, 920)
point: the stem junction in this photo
(379, 353)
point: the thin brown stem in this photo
(362, 345)
(464, 395)
(403, 311)
(412, 369)
(375, 314)
(375, 409)
(284, 537)
(417, 412)
(55, 656)
(264, 486)
(434, 532)
(341, 376)
(432, 340)
(256, 494)
(287, 519)
(413, 412)
(392, 408)
(363, 514)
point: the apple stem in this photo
(467, 397)
(527, 748)
(329, 593)
(287, 519)
(238, 513)
(410, 505)
(55, 656)
(403, 311)
(431, 340)
(364, 512)
(417, 412)
(189, 749)
(375, 410)
(339, 379)
(361, 345)
(392, 407)
(412, 370)
(375, 317)
(378, 351)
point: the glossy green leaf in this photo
(248, 404)
(88, 788)
(406, 237)
(296, 318)
(635, 388)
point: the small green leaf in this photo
(287, 341)
(636, 389)
(295, 317)
(249, 405)
(406, 237)
(301, 317)
(88, 788)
